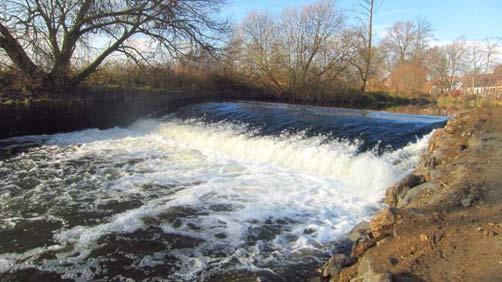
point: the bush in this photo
(13, 83)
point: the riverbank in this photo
(444, 221)
(348, 98)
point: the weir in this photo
(202, 191)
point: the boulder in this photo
(416, 192)
(361, 229)
(467, 201)
(332, 268)
(366, 273)
(395, 193)
(361, 245)
(382, 224)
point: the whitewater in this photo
(187, 198)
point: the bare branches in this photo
(364, 36)
(445, 64)
(49, 31)
(303, 47)
(15, 51)
(408, 41)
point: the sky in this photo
(474, 19)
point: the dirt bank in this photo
(444, 222)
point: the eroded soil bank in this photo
(444, 221)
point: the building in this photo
(484, 84)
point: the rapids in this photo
(200, 191)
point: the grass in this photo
(467, 102)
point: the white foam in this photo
(6, 265)
(313, 184)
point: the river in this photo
(207, 191)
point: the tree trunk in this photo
(363, 86)
(368, 50)
(16, 52)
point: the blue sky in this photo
(474, 19)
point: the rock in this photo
(490, 233)
(413, 180)
(382, 224)
(412, 194)
(437, 237)
(361, 245)
(398, 191)
(429, 162)
(383, 241)
(366, 273)
(466, 202)
(361, 229)
(381, 277)
(332, 268)
(424, 237)
(449, 128)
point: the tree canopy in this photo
(41, 36)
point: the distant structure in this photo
(484, 84)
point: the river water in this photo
(209, 191)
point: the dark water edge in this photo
(107, 108)
(102, 110)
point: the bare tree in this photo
(445, 63)
(406, 44)
(363, 61)
(41, 36)
(409, 78)
(407, 41)
(399, 39)
(303, 47)
(455, 53)
(473, 66)
(490, 52)
(316, 43)
(438, 68)
(259, 36)
(423, 34)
